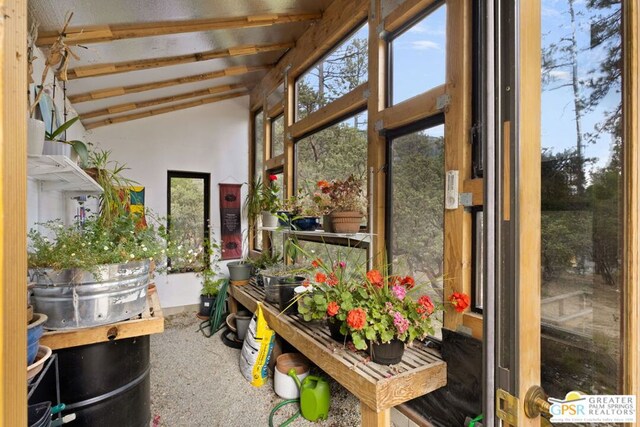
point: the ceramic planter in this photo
(34, 332)
(35, 137)
(239, 271)
(55, 148)
(387, 353)
(269, 220)
(346, 222)
(307, 223)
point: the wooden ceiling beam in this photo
(129, 117)
(145, 64)
(121, 108)
(118, 91)
(106, 33)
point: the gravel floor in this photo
(195, 381)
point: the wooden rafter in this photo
(105, 33)
(129, 117)
(145, 64)
(118, 91)
(130, 106)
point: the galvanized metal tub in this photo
(75, 298)
(271, 291)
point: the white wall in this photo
(212, 138)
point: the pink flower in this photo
(400, 323)
(342, 265)
(399, 291)
(388, 306)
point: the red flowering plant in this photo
(340, 195)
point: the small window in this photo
(277, 136)
(276, 237)
(418, 56)
(338, 73)
(416, 203)
(188, 211)
(333, 153)
(258, 144)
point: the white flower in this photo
(180, 247)
(106, 248)
(162, 251)
(73, 254)
(83, 245)
(144, 249)
(132, 256)
(64, 246)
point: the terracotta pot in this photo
(389, 353)
(346, 222)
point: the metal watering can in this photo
(314, 396)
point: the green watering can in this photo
(314, 396)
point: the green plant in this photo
(211, 276)
(266, 260)
(262, 197)
(79, 146)
(302, 205)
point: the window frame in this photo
(206, 177)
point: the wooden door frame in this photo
(13, 201)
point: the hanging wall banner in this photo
(230, 220)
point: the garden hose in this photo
(280, 405)
(217, 314)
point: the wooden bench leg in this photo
(371, 418)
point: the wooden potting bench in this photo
(378, 387)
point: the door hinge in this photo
(507, 407)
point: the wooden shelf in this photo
(151, 321)
(378, 387)
(59, 173)
(362, 237)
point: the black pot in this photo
(334, 330)
(286, 286)
(239, 271)
(388, 353)
(307, 223)
(284, 218)
(206, 303)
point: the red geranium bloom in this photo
(321, 277)
(273, 177)
(323, 184)
(408, 282)
(395, 280)
(356, 318)
(332, 308)
(332, 280)
(375, 278)
(316, 263)
(426, 304)
(460, 301)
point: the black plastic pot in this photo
(206, 303)
(286, 286)
(334, 331)
(388, 353)
(239, 271)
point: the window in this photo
(333, 153)
(416, 199)
(417, 56)
(337, 74)
(277, 136)
(277, 238)
(356, 257)
(258, 165)
(188, 211)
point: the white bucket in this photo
(35, 136)
(283, 384)
(269, 219)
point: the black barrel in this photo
(107, 384)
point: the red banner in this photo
(230, 221)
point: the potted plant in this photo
(347, 201)
(277, 274)
(211, 277)
(264, 261)
(264, 199)
(304, 215)
(322, 201)
(56, 144)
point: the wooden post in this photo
(371, 418)
(13, 227)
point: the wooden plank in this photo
(476, 188)
(338, 20)
(146, 64)
(408, 385)
(371, 418)
(275, 111)
(631, 250)
(105, 33)
(528, 275)
(457, 222)
(151, 322)
(275, 162)
(121, 108)
(136, 116)
(13, 213)
(346, 104)
(413, 109)
(405, 12)
(473, 321)
(111, 92)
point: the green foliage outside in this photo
(186, 224)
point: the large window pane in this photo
(341, 71)
(333, 153)
(417, 210)
(418, 56)
(277, 136)
(582, 161)
(356, 257)
(258, 144)
(188, 212)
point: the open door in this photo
(561, 212)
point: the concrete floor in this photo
(195, 381)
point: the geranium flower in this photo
(273, 178)
(332, 280)
(426, 304)
(400, 322)
(332, 308)
(408, 282)
(375, 278)
(460, 301)
(399, 292)
(323, 183)
(316, 263)
(395, 280)
(321, 277)
(356, 319)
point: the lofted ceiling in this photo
(143, 57)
